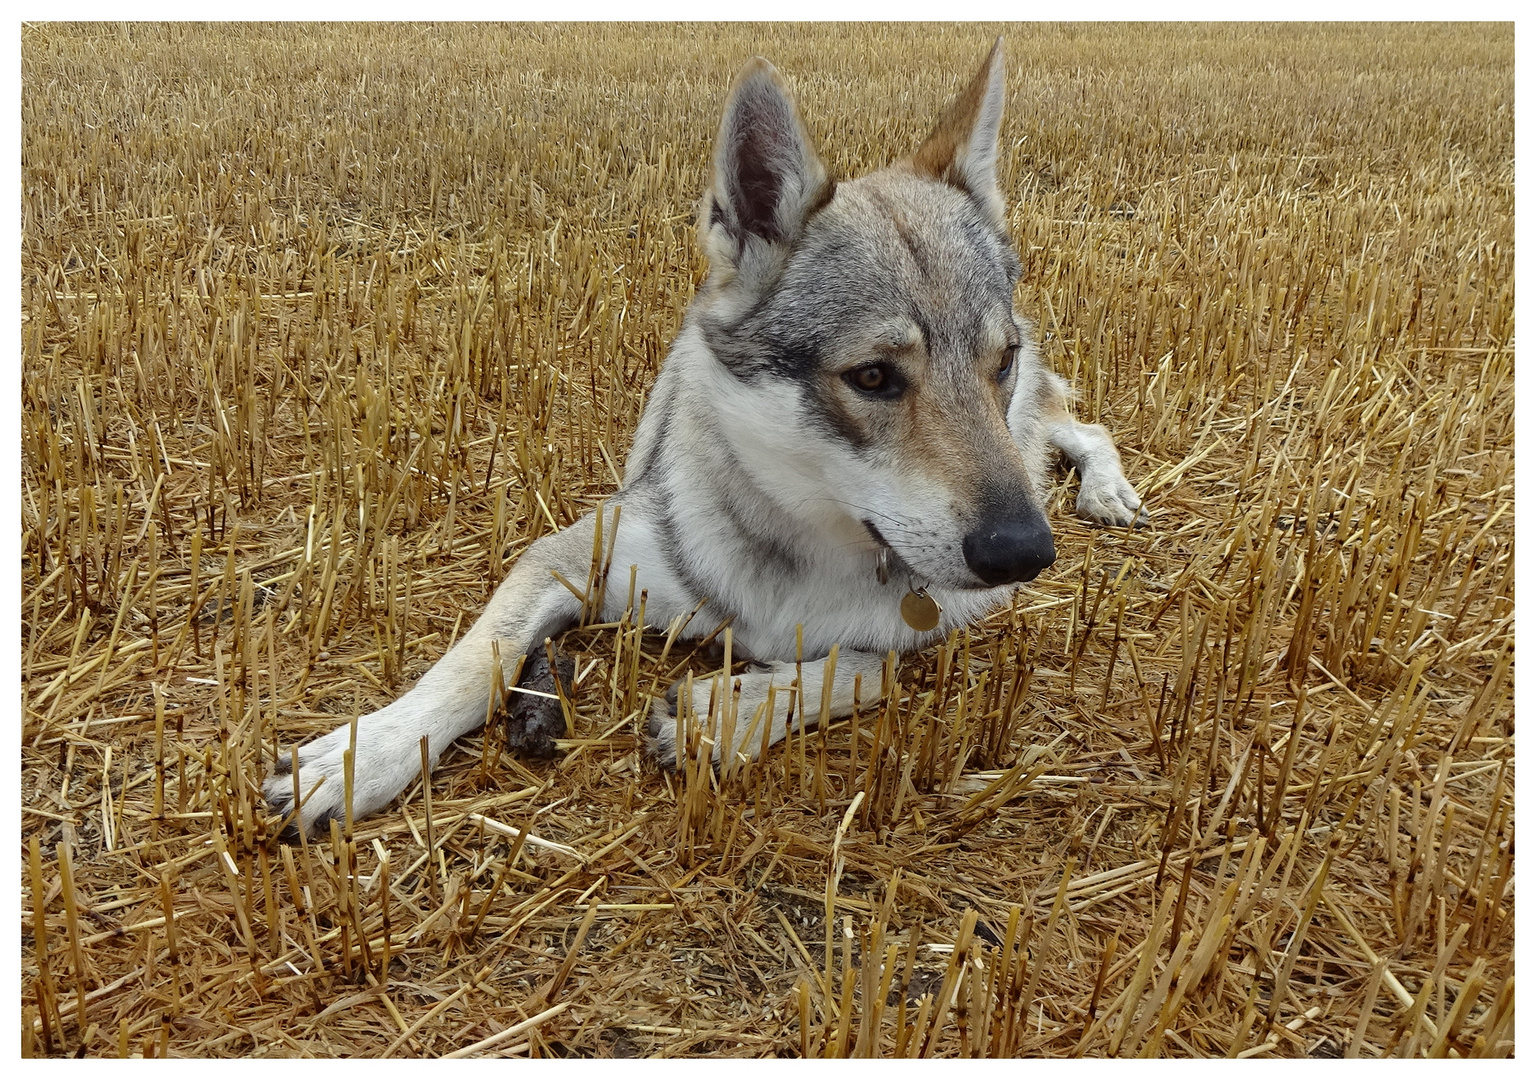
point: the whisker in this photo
(863, 509)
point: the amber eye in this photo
(870, 378)
(1006, 367)
(880, 380)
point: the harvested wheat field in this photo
(322, 325)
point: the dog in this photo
(847, 445)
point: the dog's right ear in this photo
(768, 178)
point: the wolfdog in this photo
(847, 445)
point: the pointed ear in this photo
(768, 179)
(962, 149)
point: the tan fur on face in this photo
(950, 425)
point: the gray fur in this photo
(763, 482)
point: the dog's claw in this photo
(277, 793)
(278, 808)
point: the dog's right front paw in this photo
(387, 760)
(321, 795)
(321, 788)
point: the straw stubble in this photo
(314, 345)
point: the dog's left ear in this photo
(962, 149)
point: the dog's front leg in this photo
(745, 722)
(1103, 495)
(448, 701)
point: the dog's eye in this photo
(1006, 367)
(879, 380)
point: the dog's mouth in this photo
(895, 567)
(892, 565)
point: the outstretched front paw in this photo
(388, 758)
(1111, 501)
(321, 786)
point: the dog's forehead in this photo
(894, 255)
(895, 334)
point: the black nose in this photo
(1015, 548)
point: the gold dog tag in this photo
(920, 611)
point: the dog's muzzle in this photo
(1004, 550)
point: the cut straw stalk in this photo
(508, 1034)
(503, 829)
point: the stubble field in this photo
(322, 325)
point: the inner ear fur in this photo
(768, 178)
(961, 150)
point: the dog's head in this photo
(886, 304)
